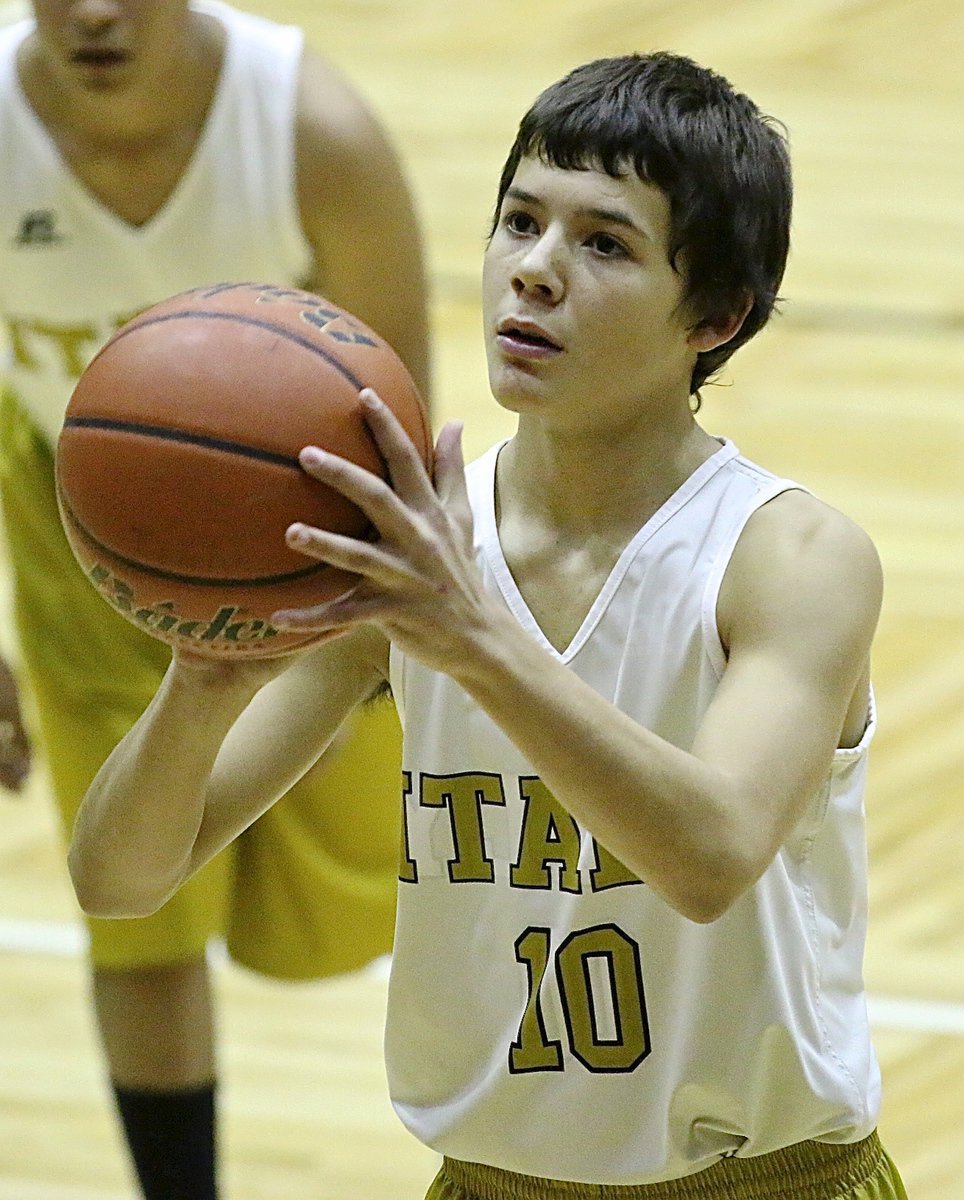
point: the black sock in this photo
(171, 1137)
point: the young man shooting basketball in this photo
(633, 671)
(146, 148)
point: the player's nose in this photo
(541, 268)
(95, 16)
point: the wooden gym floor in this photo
(854, 390)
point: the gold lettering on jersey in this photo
(599, 984)
(609, 872)
(533, 1049)
(72, 344)
(549, 836)
(605, 1009)
(463, 796)
(547, 844)
(407, 867)
(120, 322)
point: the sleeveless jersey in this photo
(71, 271)
(548, 1013)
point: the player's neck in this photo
(598, 483)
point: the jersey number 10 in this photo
(600, 985)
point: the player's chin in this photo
(515, 389)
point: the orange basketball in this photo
(177, 464)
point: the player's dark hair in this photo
(722, 162)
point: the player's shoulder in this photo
(348, 169)
(796, 555)
(797, 526)
(331, 110)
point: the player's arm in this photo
(218, 744)
(358, 213)
(797, 612)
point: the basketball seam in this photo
(214, 314)
(180, 435)
(177, 577)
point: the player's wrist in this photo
(494, 654)
(208, 683)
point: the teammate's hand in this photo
(15, 752)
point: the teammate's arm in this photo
(218, 744)
(358, 214)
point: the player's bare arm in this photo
(218, 744)
(357, 213)
(797, 613)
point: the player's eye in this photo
(519, 221)
(607, 245)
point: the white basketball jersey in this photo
(548, 1013)
(72, 271)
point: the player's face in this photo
(105, 45)
(583, 316)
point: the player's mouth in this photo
(521, 338)
(100, 58)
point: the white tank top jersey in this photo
(548, 1013)
(72, 271)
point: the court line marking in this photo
(64, 939)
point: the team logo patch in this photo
(38, 228)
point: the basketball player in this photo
(144, 149)
(633, 672)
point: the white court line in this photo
(59, 939)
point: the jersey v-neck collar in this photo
(488, 539)
(177, 197)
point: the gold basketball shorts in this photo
(309, 889)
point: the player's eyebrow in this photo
(610, 216)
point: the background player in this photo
(634, 673)
(145, 149)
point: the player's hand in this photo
(15, 752)
(419, 582)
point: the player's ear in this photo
(709, 334)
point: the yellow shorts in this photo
(309, 889)
(807, 1171)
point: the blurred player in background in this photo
(146, 148)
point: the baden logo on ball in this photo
(177, 464)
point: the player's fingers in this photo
(367, 491)
(450, 473)
(345, 553)
(405, 467)
(334, 617)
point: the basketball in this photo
(177, 465)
